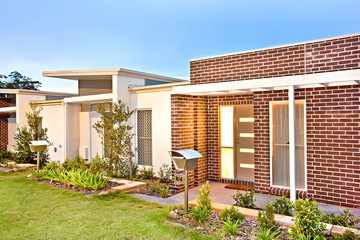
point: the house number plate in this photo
(179, 178)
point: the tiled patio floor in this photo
(220, 194)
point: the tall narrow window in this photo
(227, 141)
(144, 137)
(280, 144)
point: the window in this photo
(279, 130)
(144, 137)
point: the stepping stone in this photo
(130, 187)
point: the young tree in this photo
(17, 81)
(31, 132)
(115, 135)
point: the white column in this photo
(292, 143)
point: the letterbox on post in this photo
(38, 146)
(185, 160)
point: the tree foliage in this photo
(17, 81)
(115, 135)
(32, 131)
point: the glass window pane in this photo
(227, 163)
(227, 126)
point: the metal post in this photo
(38, 161)
(186, 193)
(292, 144)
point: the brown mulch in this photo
(73, 189)
(213, 227)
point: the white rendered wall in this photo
(54, 121)
(23, 106)
(160, 104)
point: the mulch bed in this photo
(213, 227)
(73, 189)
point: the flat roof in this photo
(163, 86)
(105, 74)
(274, 47)
(34, 92)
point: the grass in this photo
(29, 210)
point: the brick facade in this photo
(332, 117)
(314, 57)
(4, 102)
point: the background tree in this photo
(115, 135)
(17, 81)
(32, 131)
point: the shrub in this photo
(232, 227)
(97, 165)
(200, 213)
(75, 177)
(164, 172)
(147, 173)
(7, 155)
(307, 221)
(245, 200)
(52, 165)
(154, 186)
(266, 219)
(267, 234)
(347, 235)
(164, 191)
(283, 206)
(345, 219)
(231, 213)
(203, 199)
(77, 163)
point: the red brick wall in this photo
(321, 56)
(4, 102)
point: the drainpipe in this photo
(292, 144)
(90, 145)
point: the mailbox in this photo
(38, 146)
(184, 160)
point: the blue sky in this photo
(155, 36)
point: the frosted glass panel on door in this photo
(227, 126)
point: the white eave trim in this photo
(340, 78)
(90, 98)
(7, 109)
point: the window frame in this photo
(137, 136)
(271, 144)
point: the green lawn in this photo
(29, 210)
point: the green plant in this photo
(147, 173)
(200, 213)
(345, 219)
(77, 163)
(7, 155)
(283, 206)
(114, 131)
(231, 213)
(267, 234)
(307, 221)
(232, 226)
(203, 198)
(244, 200)
(164, 172)
(32, 131)
(75, 177)
(266, 219)
(97, 165)
(164, 191)
(347, 235)
(155, 186)
(52, 165)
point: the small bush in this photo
(283, 206)
(164, 191)
(164, 172)
(52, 165)
(266, 219)
(147, 173)
(244, 200)
(307, 221)
(97, 165)
(232, 227)
(154, 186)
(231, 213)
(267, 234)
(345, 219)
(347, 235)
(77, 163)
(7, 155)
(200, 213)
(203, 198)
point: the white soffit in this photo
(7, 109)
(90, 98)
(340, 78)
